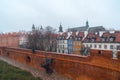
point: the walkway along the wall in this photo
(94, 67)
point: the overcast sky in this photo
(18, 15)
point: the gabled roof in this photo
(83, 28)
(117, 36)
(107, 35)
(91, 36)
(96, 29)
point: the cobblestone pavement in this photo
(35, 72)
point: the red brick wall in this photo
(76, 67)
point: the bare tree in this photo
(50, 39)
(42, 39)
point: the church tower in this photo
(60, 28)
(33, 27)
(87, 24)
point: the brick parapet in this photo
(93, 67)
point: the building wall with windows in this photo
(106, 41)
(62, 44)
(70, 46)
(76, 47)
(103, 46)
(77, 43)
(11, 39)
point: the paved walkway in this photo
(35, 72)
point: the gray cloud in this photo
(18, 15)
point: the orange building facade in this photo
(11, 39)
(77, 44)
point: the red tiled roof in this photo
(106, 35)
(117, 36)
(81, 34)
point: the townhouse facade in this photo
(14, 39)
(100, 42)
(62, 42)
(70, 45)
(107, 41)
(77, 43)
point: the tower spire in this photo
(60, 28)
(33, 27)
(87, 24)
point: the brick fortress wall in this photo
(93, 67)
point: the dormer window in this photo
(76, 38)
(112, 39)
(88, 39)
(70, 37)
(93, 39)
(63, 37)
(104, 39)
(59, 37)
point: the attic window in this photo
(78, 38)
(112, 39)
(88, 39)
(70, 37)
(59, 37)
(63, 37)
(104, 39)
(93, 39)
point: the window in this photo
(62, 51)
(111, 46)
(63, 37)
(104, 39)
(76, 38)
(88, 39)
(118, 47)
(59, 51)
(86, 45)
(74, 43)
(99, 46)
(95, 46)
(70, 37)
(93, 39)
(105, 46)
(91, 46)
(63, 46)
(112, 39)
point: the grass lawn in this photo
(8, 72)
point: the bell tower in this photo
(87, 24)
(60, 28)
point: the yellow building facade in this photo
(76, 47)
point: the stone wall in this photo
(93, 67)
